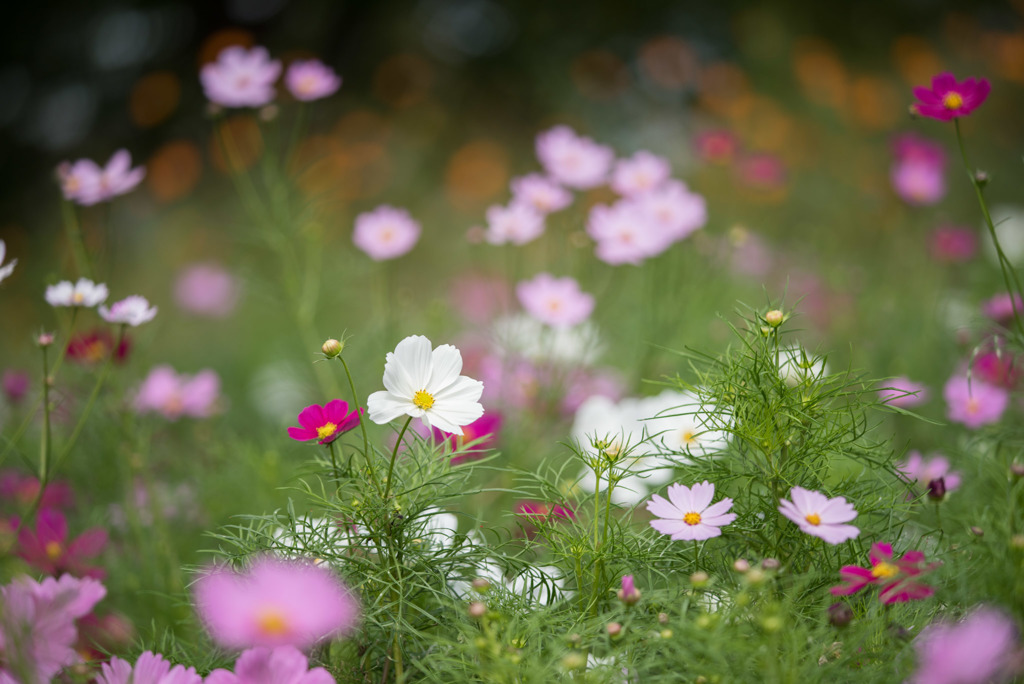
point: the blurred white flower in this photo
(1009, 222)
(5, 271)
(520, 335)
(796, 366)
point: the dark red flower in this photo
(47, 546)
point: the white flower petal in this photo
(414, 356)
(447, 364)
(384, 407)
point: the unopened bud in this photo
(699, 578)
(981, 178)
(840, 614)
(1017, 541)
(628, 594)
(574, 661)
(614, 629)
(575, 638)
(477, 609)
(44, 340)
(666, 634)
(977, 531)
(663, 618)
(480, 585)
(912, 110)
(774, 318)
(269, 113)
(1017, 469)
(741, 565)
(332, 348)
(937, 489)
(770, 564)
(756, 576)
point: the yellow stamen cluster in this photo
(813, 518)
(884, 570)
(952, 100)
(53, 550)
(423, 399)
(326, 430)
(692, 519)
(271, 622)
(689, 437)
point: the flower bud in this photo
(663, 618)
(741, 565)
(699, 578)
(477, 609)
(770, 564)
(574, 661)
(614, 629)
(628, 594)
(840, 614)
(1017, 469)
(937, 489)
(1017, 541)
(44, 340)
(756, 576)
(774, 318)
(480, 585)
(981, 178)
(332, 348)
(977, 531)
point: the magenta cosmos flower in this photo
(85, 183)
(980, 649)
(385, 233)
(558, 302)
(517, 223)
(275, 603)
(925, 471)
(689, 514)
(150, 668)
(540, 193)
(903, 392)
(1000, 308)
(974, 403)
(482, 433)
(918, 174)
(166, 392)
(641, 173)
(271, 666)
(573, 160)
(324, 423)
(134, 311)
(896, 577)
(947, 99)
(240, 77)
(953, 244)
(820, 516)
(48, 548)
(311, 79)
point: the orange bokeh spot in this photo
(875, 103)
(668, 62)
(915, 60)
(403, 80)
(174, 170)
(236, 139)
(820, 72)
(154, 98)
(724, 90)
(1004, 52)
(476, 173)
(331, 172)
(599, 75)
(362, 125)
(216, 42)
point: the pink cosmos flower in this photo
(15, 384)
(974, 403)
(172, 395)
(37, 625)
(23, 489)
(274, 603)
(536, 512)
(240, 77)
(206, 290)
(625, 234)
(998, 368)
(482, 432)
(271, 666)
(150, 668)
(689, 514)
(558, 302)
(947, 99)
(982, 648)
(134, 311)
(640, 173)
(47, 547)
(324, 423)
(385, 233)
(539, 192)
(517, 223)
(585, 383)
(674, 210)
(820, 516)
(925, 471)
(762, 172)
(953, 244)
(716, 147)
(311, 79)
(573, 160)
(85, 183)
(903, 392)
(1000, 307)
(896, 577)
(918, 174)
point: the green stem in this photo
(74, 230)
(394, 456)
(334, 460)
(44, 445)
(362, 423)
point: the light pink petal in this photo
(660, 507)
(681, 498)
(702, 494)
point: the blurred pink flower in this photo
(558, 302)
(311, 79)
(625, 234)
(22, 490)
(206, 290)
(573, 160)
(172, 395)
(480, 298)
(751, 254)
(896, 577)
(274, 603)
(585, 383)
(324, 423)
(240, 77)
(1001, 306)
(688, 512)
(539, 510)
(716, 147)
(762, 171)
(820, 516)
(150, 668)
(903, 392)
(281, 665)
(509, 383)
(674, 210)
(540, 193)
(48, 549)
(517, 223)
(953, 244)
(983, 648)
(134, 311)
(918, 174)
(486, 429)
(628, 594)
(15, 385)
(924, 471)
(386, 232)
(974, 403)
(640, 173)
(998, 368)
(947, 99)
(85, 183)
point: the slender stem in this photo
(71, 224)
(334, 460)
(362, 423)
(394, 456)
(696, 554)
(44, 445)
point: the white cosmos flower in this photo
(522, 335)
(426, 384)
(796, 366)
(133, 311)
(682, 422)
(9, 268)
(83, 293)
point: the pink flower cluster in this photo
(254, 666)
(918, 174)
(243, 77)
(557, 302)
(85, 183)
(166, 392)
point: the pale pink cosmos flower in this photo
(518, 223)
(84, 293)
(982, 648)
(974, 403)
(674, 210)
(274, 603)
(134, 311)
(173, 396)
(150, 668)
(558, 302)
(240, 77)
(281, 665)
(386, 232)
(903, 392)
(639, 174)
(689, 514)
(206, 290)
(1000, 308)
(311, 79)
(573, 160)
(925, 471)
(953, 244)
(540, 192)
(625, 234)
(820, 516)
(85, 183)
(918, 174)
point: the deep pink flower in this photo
(689, 514)
(23, 489)
(947, 99)
(1000, 307)
(386, 232)
(240, 77)
(517, 223)
(558, 302)
(206, 290)
(48, 549)
(15, 384)
(896, 577)
(150, 668)
(628, 594)
(275, 603)
(918, 174)
(762, 172)
(573, 160)
(641, 173)
(820, 516)
(544, 511)
(540, 193)
(974, 403)
(172, 395)
(716, 147)
(311, 79)
(924, 471)
(903, 392)
(483, 432)
(85, 183)
(324, 423)
(95, 346)
(982, 648)
(953, 244)
(998, 368)
(281, 665)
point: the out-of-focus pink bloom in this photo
(240, 77)
(628, 594)
(483, 431)
(100, 635)
(903, 392)
(896, 577)
(820, 516)
(48, 549)
(762, 172)
(386, 232)
(947, 99)
(311, 79)
(953, 244)
(509, 383)
(688, 512)
(134, 311)
(1000, 307)
(983, 648)
(558, 302)
(540, 193)
(15, 383)
(573, 160)
(997, 368)
(716, 147)
(23, 489)
(206, 290)
(150, 668)
(974, 403)
(625, 234)
(517, 223)
(539, 511)
(324, 423)
(85, 183)
(173, 395)
(924, 471)
(37, 625)
(918, 174)
(84, 293)
(275, 603)
(95, 346)
(640, 173)
(284, 664)
(585, 384)
(480, 298)
(674, 210)
(751, 255)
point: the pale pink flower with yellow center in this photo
(689, 514)
(540, 192)
(974, 403)
(311, 79)
(240, 77)
(558, 302)
(517, 223)
(85, 183)
(641, 173)
(573, 160)
(134, 311)
(820, 516)
(281, 665)
(385, 233)
(150, 668)
(625, 234)
(166, 392)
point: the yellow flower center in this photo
(973, 405)
(953, 100)
(423, 399)
(271, 622)
(884, 570)
(77, 298)
(813, 518)
(53, 550)
(689, 437)
(326, 430)
(691, 519)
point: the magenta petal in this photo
(302, 434)
(943, 83)
(335, 410)
(880, 551)
(89, 543)
(312, 417)
(51, 526)
(926, 96)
